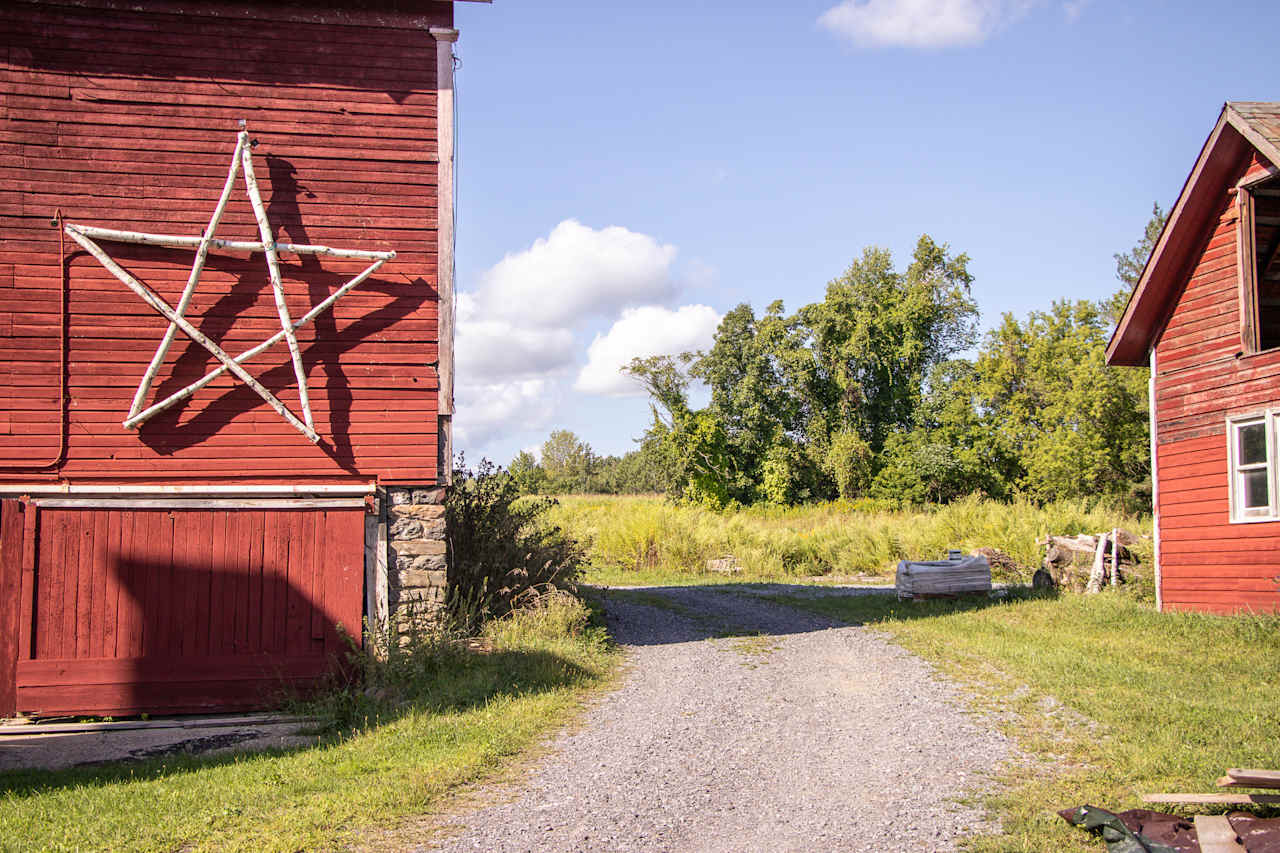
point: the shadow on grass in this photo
(771, 609)
(457, 681)
(870, 610)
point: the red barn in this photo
(226, 243)
(1206, 317)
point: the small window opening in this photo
(1266, 265)
(1253, 465)
(1253, 470)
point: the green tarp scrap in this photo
(1136, 831)
(1143, 831)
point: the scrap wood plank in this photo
(1215, 834)
(1213, 799)
(1237, 778)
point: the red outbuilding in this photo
(226, 278)
(1206, 317)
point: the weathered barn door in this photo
(11, 540)
(126, 610)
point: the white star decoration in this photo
(86, 235)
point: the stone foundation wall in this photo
(417, 556)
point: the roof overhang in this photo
(416, 14)
(1231, 139)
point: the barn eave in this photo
(1242, 125)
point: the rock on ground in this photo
(793, 733)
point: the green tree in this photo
(501, 547)
(877, 334)
(790, 475)
(749, 398)
(1076, 426)
(862, 393)
(647, 469)
(801, 405)
(849, 463)
(917, 468)
(704, 467)
(953, 450)
(568, 462)
(1129, 265)
(527, 474)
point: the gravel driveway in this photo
(796, 734)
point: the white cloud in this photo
(520, 321)
(488, 410)
(920, 23)
(499, 349)
(521, 330)
(639, 333)
(1073, 9)
(575, 272)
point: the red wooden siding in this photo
(179, 610)
(127, 119)
(1206, 562)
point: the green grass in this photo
(483, 712)
(1110, 698)
(648, 541)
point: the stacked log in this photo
(1003, 566)
(1087, 561)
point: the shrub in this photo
(500, 545)
(849, 462)
(788, 475)
(393, 668)
(867, 506)
(431, 664)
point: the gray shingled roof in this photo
(1263, 119)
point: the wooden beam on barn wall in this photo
(220, 504)
(225, 490)
(1246, 280)
(445, 37)
(375, 566)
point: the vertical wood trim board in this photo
(445, 132)
(1152, 429)
(12, 529)
(1245, 281)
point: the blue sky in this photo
(628, 172)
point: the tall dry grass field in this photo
(648, 540)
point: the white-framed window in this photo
(1251, 458)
